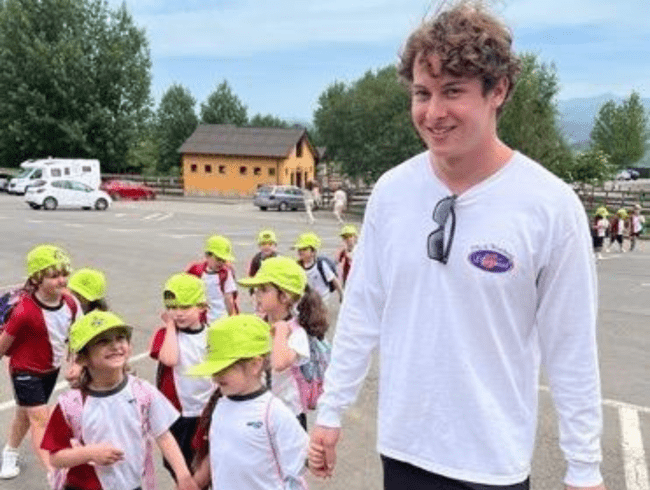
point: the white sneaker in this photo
(10, 467)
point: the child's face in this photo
(306, 254)
(54, 282)
(267, 248)
(214, 263)
(350, 241)
(110, 350)
(267, 299)
(240, 378)
(185, 316)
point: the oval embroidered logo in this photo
(490, 261)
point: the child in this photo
(280, 289)
(349, 235)
(254, 441)
(339, 201)
(617, 229)
(321, 276)
(179, 344)
(102, 430)
(637, 220)
(267, 242)
(601, 226)
(34, 337)
(88, 287)
(218, 276)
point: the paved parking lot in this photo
(139, 244)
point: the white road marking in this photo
(150, 217)
(73, 225)
(164, 217)
(636, 471)
(35, 221)
(122, 230)
(11, 286)
(120, 215)
(64, 384)
(182, 236)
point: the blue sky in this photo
(279, 55)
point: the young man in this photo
(474, 264)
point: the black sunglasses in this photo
(437, 249)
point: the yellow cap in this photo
(88, 283)
(233, 338)
(307, 240)
(91, 325)
(43, 256)
(188, 290)
(284, 272)
(622, 213)
(349, 230)
(602, 211)
(220, 247)
(266, 236)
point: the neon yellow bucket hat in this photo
(233, 338)
(622, 213)
(266, 236)
(602, 211)
(188, 290)
(43, 256)
(220, 247)
(307, 240)
(349, 230)
(284, 272)
(91, 325)
(88, 283)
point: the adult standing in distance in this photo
(339, 202)
(474, 267)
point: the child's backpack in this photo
(311, 374)
(7, 303)
(332, 265)
(198, 268)
(71, 404)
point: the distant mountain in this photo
(577, 118)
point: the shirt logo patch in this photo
(490, 261)
(254, 425)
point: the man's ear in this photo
(499, 92)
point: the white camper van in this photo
(86, 171)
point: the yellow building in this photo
(227, 160)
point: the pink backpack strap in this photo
(274, 451)
(71, 404)
(144, 394)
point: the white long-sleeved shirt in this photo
(460, 344)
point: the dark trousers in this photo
(403, 476)
(183, 431)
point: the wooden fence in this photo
(593, 197)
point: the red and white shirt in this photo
(40, 334)
(187, 393)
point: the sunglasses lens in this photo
(442, 210)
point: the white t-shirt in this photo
(58, 321)
(637, 223)
(193, 392)
(112, 417)
(601, 227)
(339, 198)
(242, 456)
(284, 383)
(216, 302)
(461, 343)
(316, 282)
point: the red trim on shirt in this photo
(164, 374)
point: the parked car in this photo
(4, 181)
(628, 174)
(127, 189)
(65, 194)
(280, 197)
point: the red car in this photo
(127, 189)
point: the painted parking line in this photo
(64, 384)
(636, 471)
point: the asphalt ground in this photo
(140, 244)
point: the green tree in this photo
(176, 122)
(591, 167)
(223, 107)
(267, 121)
(528, 121)
(75, 81)
(366, 126)
(621, 131)
(143, 155)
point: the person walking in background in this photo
(309, 201)
(474, 265)
(601, 225)
(339, 202)
(349, 234)
(617, 227)
(637, 223)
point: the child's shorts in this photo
(31, 389)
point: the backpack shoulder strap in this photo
(144, 393)
(274, 450)
(71, 404)
(319, 265)
(72, 304)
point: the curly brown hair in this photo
(469, 41)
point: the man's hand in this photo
(322, 450)
(597, 487)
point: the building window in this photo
(286, 171)
(66, 170)
(86, 169)
(242, 170)
(56, 172)
(257, 171)
(222, 169)
(193, 167)
(208, 169)
(271, 171)
(299, 149)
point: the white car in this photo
(65, 194)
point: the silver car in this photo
(280, 197)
